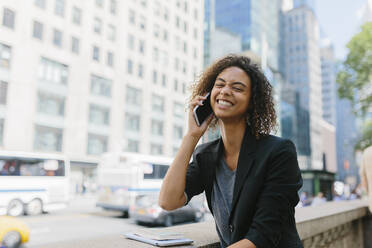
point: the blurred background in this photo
(93, 102)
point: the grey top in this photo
(221, 200)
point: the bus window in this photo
(158, 172)
(31, 167)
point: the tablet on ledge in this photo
(159, 242)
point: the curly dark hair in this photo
(261, 114)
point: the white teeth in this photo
(224, 103)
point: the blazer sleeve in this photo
(194, 182)
(278, 197)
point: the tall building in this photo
(302, 70)
(329, 85)
(86, 77)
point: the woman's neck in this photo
(232, 136)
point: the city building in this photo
(82, 78)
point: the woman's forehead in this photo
(233, 74)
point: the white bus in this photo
(31, 183)
(123, 177)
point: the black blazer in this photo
(265, 191)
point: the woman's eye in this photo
(238, 89)
(219, 85)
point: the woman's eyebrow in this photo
(240, 83)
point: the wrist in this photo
(194, 138)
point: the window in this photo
(40, 3)
(110, 59)
(154, 76)
(8, 18)
(132, 17)
(131, 41)
(99, 115)
(1, 132)
(184, 47)
(113, 7)
(97, 25)
(75, 45)
(156, 30)
(156, 149)
(184, 88)
(3, 92)
(48, 139)
(175, 85)
(57, 38)
(99, 3)
(165, 35)
(195, 14)
(111, 32)
(76, 15)
(141, 46)
(59, 8)
(97, 144)
(185, 7)
(157, 103)
(130, 66)
(166, 14)
(133, 96)
(53, 72)
(144, 3)
(184, 67)
(178, 110)
(141, 71)
(164, 80)
(95, 53)
(176, 64)
(50, 104)
(195, 53)
(177, 132)
(142, 23)
(132, 122)
(178, 22)
(155, 54)
(195, 33)
(157, 127)
(132, 145)
(185, 27)
(37, 30)
(100, 86)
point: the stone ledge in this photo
(310, 222)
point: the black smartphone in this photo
(201, 113)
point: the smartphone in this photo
(201, 113)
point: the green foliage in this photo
(355, 80)
(366, 139)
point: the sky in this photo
(339, 20)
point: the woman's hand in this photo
(193, 129)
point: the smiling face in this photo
(230, 95)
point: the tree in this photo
(366, 138)
(355, 78)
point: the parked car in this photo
(146, 210)
(13, 232)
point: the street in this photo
(80, 221)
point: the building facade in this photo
(82, 78)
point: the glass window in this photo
(3, 92)
(97, 144)
(141, 46)
(53, 72)
(40, 3)
(132, 122)
(156, 30)
(130, 66)
(99, 3)
(131, 41)
(184, 47)
(156, 149)
(37, 30)
(100, 86)
(195, 53)
(76, 15)
(110, 59)
(175, 85)
(132, 145)
(195, 14)
(133, 96)
(141, 71)
(165, 35)
(164, 80)
(57, 37)
(157, 127)
(166, 14)
(157, 103)
(178, 21)
(155, 54)
(142, 22)
(132, 17)
(75, 45)
(185, 27)
(97, 25)
(1, 133)
(158, 170)
(4, 56)
(177, 132)
(154, 76)
(50, 104)
(48, 139)
(8, 18)
(176, 64)
(111, 32)
(178, 109)
(95, 53)
(113, 7)
(184, 67)
(31, 167)
(184, 88)
(59, 8)
(195, 33)
(99, 115)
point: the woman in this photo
(250, 178)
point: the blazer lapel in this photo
(245, 162)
